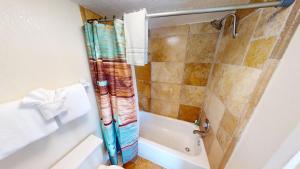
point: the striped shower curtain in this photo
(113, 86)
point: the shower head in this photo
(218, 23)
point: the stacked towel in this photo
(19, 126)
(23, 122)
(66, 103)
(48, 102)
(76, 102)
(136, 35)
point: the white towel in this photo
(49, 102)
(136, 36)
(76, 102)
(20, 126)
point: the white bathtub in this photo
(164, 141)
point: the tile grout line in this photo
(277, 34)
(213, 63)
(252, 35)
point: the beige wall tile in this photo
(171, 49)
(266, 74)
(143, 72)
(226, 130)
(234, 86)
(167, 72)
(271, 22)
(220, 81)
(196, 74)
(145, 103)
(242, 13)
(232, 51)
(264, 79)
(228, 152)
(208, 140)
(201, 48)
(165, 108)
(237, 106)
(223, 78)
(192, 95)
(239, 90)
(205, 28)
(88, 14)
(215, 155)
(165, 91)
(169, 31)
(229, 123)
(288, 31)
(259, 52)
(223, 138)
(144, 88)
(216, 75)
(214, 110)
(188, 113)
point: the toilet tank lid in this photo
(79, 154)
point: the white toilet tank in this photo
(86, 155)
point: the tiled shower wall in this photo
(240, 73)
(88, 14)
(197, 71)
(174, 83)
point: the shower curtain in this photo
(113, 86)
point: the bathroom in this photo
(216, 88)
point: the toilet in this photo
(79, 154)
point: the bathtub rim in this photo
(170, 118)
(187, 158)
(192, 159)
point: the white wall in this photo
(41, 45)
(288, 149)
(273, 123)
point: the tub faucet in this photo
(203, 132)
(200, 133)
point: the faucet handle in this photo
(197, 122)
(206, 124)
(203, 128)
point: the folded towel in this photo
(19, 126)
(76, 102)
(49, 102)
(136, 35)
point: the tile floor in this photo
(140, 163)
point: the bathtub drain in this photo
(187, 149)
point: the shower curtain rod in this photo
(281, 3)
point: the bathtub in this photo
(170, 143)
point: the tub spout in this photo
(203, 129)
(200, 133)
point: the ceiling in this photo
(118, 7)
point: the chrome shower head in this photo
(218, 23)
